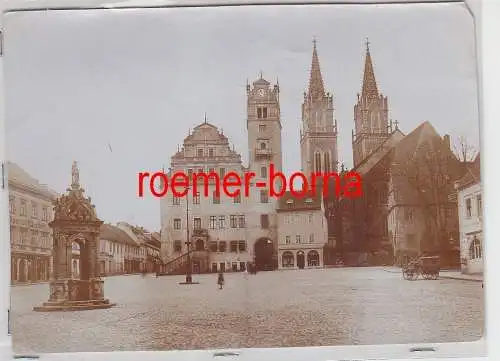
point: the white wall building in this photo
(302, 231)
(226, 232)
(470, 213)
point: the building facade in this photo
(302, 231)
(470, 213)
(31, 210)
(226, 232)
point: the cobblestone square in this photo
(346, 306)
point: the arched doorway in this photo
(23, 277)
(287, 260)
(264, 252)
(200, 245)
(313, 259)
(301, 260)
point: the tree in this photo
(464, 151)
(429, 172)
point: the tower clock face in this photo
(261, 92)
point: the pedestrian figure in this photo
(220, 279)
(245, 273)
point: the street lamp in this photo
(189, 276)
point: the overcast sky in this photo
(118, 90)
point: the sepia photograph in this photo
(243, 177)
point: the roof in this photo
(115, 234)
(17, 176)
(379, 152)
(291, 203)
(473, 175)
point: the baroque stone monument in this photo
(75, 220)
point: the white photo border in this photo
(486, 14)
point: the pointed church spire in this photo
(369, 89)
(316, 86)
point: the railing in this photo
(263, 152)
(178, 265)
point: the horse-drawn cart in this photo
(428, 267)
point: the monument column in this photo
(75, 217)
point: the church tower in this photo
(318, 136)
(264, 127)
(371, 123)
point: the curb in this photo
(460, 278)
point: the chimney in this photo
(447, 141)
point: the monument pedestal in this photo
(75, 295)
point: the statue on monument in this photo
(75, 175)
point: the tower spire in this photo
(369, 89)
(316, 86)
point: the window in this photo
(23, 235)
(317, 163)
(241, 222)
(222, 222)
(310, 216)
(177, 223)
(263, 172)
(215, 197)
(233, 220)
(222, 246)
(23, 209)
(34, 210)
(196, 198)
(263, 145)
(327, 162)
(12, 204)
(234, 246)
(212, 246)
(264, 197)
(475, 249)
(213, 222)
(288, 239)
(211, 152)
(45, 214)
(311, 238)
(297, 239)
(222, 172)
(262, 128)
(409, 215)
(264, 221)
(237, 199)
(190, 172)
(479, 202)
(261, 112)
(199, 152)
(176, 200)
(177, 246)
(468, 207)
(242, 246)
(308, 200)
(197, 223)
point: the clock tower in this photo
(264, 128)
